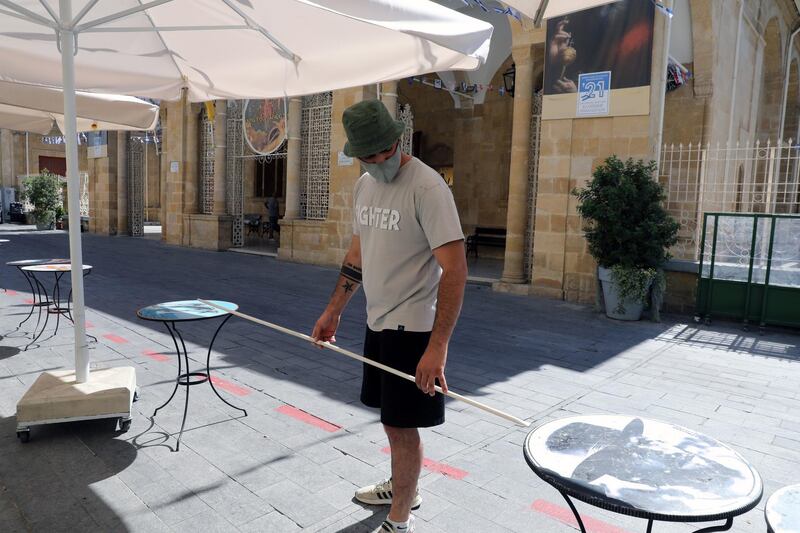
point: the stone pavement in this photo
(293, 463)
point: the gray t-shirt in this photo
(399, 224)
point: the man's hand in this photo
(325, 328)
(431, 368)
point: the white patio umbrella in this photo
(34, 108)
(218, 49)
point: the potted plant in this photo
(42, 191)
(59, 216)
(628, 232)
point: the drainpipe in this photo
(785, 100)
(27, 156)
(735, 73)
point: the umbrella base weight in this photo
(55, 397)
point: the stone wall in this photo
(475, 141)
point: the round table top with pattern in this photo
(30, 262)
(643, 468)
(184, 310)
(53, 267)
(783, 510)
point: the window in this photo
(269, 177)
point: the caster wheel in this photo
(124, 425)
(24, 436)
(708, 322)
(136, 395)
(697, 319)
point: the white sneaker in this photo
(381, 494)
(387, 527)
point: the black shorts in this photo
(401, 403)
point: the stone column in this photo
(389, 96)
(293, 147)
(104, 197)
(7, 158)
(513, 271)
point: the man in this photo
(408, 249)
(273, 212)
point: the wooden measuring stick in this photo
(363, 359)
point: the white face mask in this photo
(384, 172)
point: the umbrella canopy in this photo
(221, 49)
(218, 49)
(552, 8)
(34, 108)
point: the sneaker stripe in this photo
(386, 526)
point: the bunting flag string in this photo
(463, 88)
(501, 10)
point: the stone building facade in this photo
(512, 166)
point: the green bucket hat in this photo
(370, 128)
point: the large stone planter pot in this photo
(633, 308)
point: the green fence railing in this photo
(750, 268)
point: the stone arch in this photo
(791, 126)
(771, 93)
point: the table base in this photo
(185, 378)
(47, 305)
(711, 529)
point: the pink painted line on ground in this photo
(224, 384)
(115, 338)
(155, 356)
(11, 292)
(88, 324)
(307, 418)
(435, 466)
(564, 515)
(28, 301)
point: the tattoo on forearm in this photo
(348, 286)
(351, 272)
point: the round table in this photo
(643, 468)
(53, 304)
(170, 313)
(783, 510)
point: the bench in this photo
(484, 236)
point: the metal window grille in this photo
(750, 178)
(207, 162)
(136, 176)
(405, 114)
(533, 181)
(84, 194)
(234, 172)
(315, 150)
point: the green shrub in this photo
(43, 192)
(625, 220)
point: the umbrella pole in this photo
(73, 190)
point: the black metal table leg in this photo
(208, 367)
(574, 511)
(43, 301)
(57, 300)
(33, 296)
(187, 382)
(722, 527)
(180, 365)
(650, 526)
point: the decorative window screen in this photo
(315, 155)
